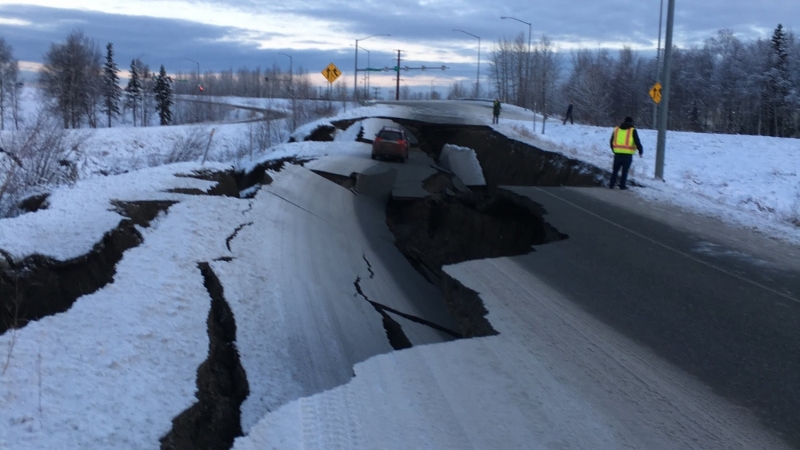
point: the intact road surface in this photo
(721, 304)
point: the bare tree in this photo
(457, 90)
(72, 78)
(9, 82)
(41, 155)
(15, 92)
(548, 62)
(146, 78)
(589, 86)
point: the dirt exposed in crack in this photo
(226, 183)
(215, 420)
(258, 175)
(448, 229)
(235, 232)
(506, 161)
(142, 212)
(39, 286)
(394, 331)
(34, 202)
(323, 133)
(438, 183)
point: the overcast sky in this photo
(221, 34)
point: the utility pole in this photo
(366, 75)
(544, 92)
(658, 61)
(291, 93)
(664, 113)
(397, 92)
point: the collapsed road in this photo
(671, 345)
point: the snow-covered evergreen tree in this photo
(133, 92)
(778, 85)
(112, 92)
(163, 94)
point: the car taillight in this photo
(377, 139)
(401, 142)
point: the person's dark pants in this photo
(621, 160)
(496, 118)
(568, 117)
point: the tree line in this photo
(80, 86)
(724, 86)
(10, 86)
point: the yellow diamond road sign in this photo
(655, 92)
(331, 73)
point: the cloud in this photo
(315, 33)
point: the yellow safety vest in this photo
(623, 141)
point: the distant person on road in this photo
(568, 115)
(496, 111)
(624, 143)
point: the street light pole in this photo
(658, 57)
(198, 69)
(478, 79)
(664, 113)
(527, 61)
(366, 74)
(291, 93)
(355, 70)
(290, 70)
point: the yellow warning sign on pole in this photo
(655, 92)
(331, 73)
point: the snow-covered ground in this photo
(115, 369)
(750, 181)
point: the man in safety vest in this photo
(624, 143)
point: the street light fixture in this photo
(527, 60)
(290, 70)
(355, 72)
(478, 79)
(198, 72)
(291, 93)
(366, 74)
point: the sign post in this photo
(331, 73)
(663, 115)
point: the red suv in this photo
(390, 143)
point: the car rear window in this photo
(390, 135)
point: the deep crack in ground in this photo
(447, 229)
(39, 286)
(215, 420)
(235, 232)
(394, 331)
